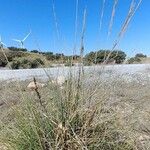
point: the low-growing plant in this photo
(140, 55)
(134, 60)
(3, 61)
(26, 63)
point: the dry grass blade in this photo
(75, 32)
(101, 15)
(132, 10)
(112, 17)
(81, 71)
(76, 27)
(55, 20)
(83, 115)
(82, 36)
(5, 57)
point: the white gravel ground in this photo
(126, 71)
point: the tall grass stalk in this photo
(112, 17)
(74, 117)
(132, 10)
(55, 20)
(81, 71)
(75, 32)
(102, 14)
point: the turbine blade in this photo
(26, 36)
(16, 40)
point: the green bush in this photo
(34, 51)
(134, 60)
(25, 63)
(49, 55)
(140, 55)
(3, 61)
(34, 64)
(11, 55)
(100, 56)
(39, 60)
(17, 49)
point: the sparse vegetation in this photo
(134, 60)
(24, 63)
(93, 110)
(63, 120)
(137, 58)
(140, 55)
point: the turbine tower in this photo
(1, 43)
(22, 41)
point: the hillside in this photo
(19, 59)
(24, 59)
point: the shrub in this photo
(90, 57)
(25, 63)
(49, 55)
(11, 55)
(17, 49)
(34, 64)
(15, 64)
(3, 61)
(134, 60)
(68, 64)
(34, 51)
(140, 55)
(40, 61)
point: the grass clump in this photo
(63, 120)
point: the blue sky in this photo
(17, 17)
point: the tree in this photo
(118, 56)
(49, 55)
(140, 55)
(59, 56)
(90, 57)
(34, 51)
(17, 49)
(134, 60)
(100, 56)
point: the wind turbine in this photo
(1, 43)
(22, 41)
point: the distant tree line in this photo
(19, 58)
(51, 56)
(22, 58)
(17, 49)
